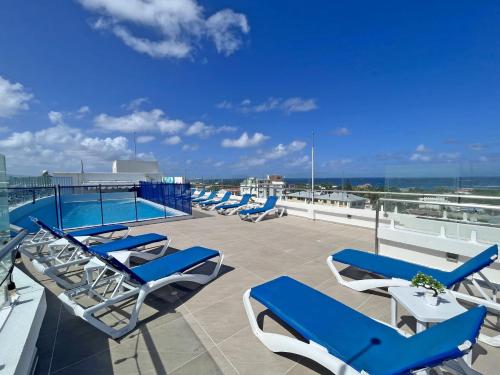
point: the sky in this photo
(236, 88)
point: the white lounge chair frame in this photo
(54, 267)
(255, 218)
(278, 343)
(119, 287)
(235, 210)
(489, 301)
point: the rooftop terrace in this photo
(185, 329)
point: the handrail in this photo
(437, 203)
(12, 244)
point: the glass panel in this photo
(118, 204)
(4, 204)
(80, 206)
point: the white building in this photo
(263, 187)
(124, 172)
(338, 199)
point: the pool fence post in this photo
(100, 199)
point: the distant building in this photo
(263, 187)
(338, 199)
(124, 172)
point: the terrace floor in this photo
(191, 330)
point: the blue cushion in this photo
(129, 243)
(177, 262)
(358, 340)
(252, 211)
(103, 229)
(210, 196)
(243, 201)
(395, 268)
(225, 198)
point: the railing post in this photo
(135, 202)
(377, 216)
(33, 195)
(100, 200)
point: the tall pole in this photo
(135, 147)
(312, 169)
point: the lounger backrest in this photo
(271, 202)
(245, 199)
(56, 233)
(444, 341)
(477, 263)
(109, 260)
(226, 196)
(201, 194)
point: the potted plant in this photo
(431, 284)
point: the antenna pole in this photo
(135, 146)
(312, 169)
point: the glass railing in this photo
(438, 216)
(80, 206)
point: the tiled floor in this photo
(190, 330)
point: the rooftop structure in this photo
(339, 199)
(123, 172)
(263, 187)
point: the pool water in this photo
(88, 213)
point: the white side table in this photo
(413, 300)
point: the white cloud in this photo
(420, 157)
(225, 27)
(336, 163)
(219, 164)
(245, 140)
(13, 98)
(171, 126)
(62, 147)
(477, 147)
(134, 122)
(145, 138)
(288, 106)
(174, 140)
(190, 147)
(341, 132)
(224, 105)
(449, 156)
(135, 104)
(280, 151)
(180, 25)
(300, 162)
(298, 105)
(422, 148)
(139, 121)
(203, 130)
(84, 109)
(56, 117)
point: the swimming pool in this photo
(88, 212)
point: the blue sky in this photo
(235, 88)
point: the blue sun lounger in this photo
(78, 253)
(257, 214)
(117, 283)
(398, 272)
(199, 195)
(213, 203)
(348, 342)
(210, 196)
(54, 237)
(231, 209)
